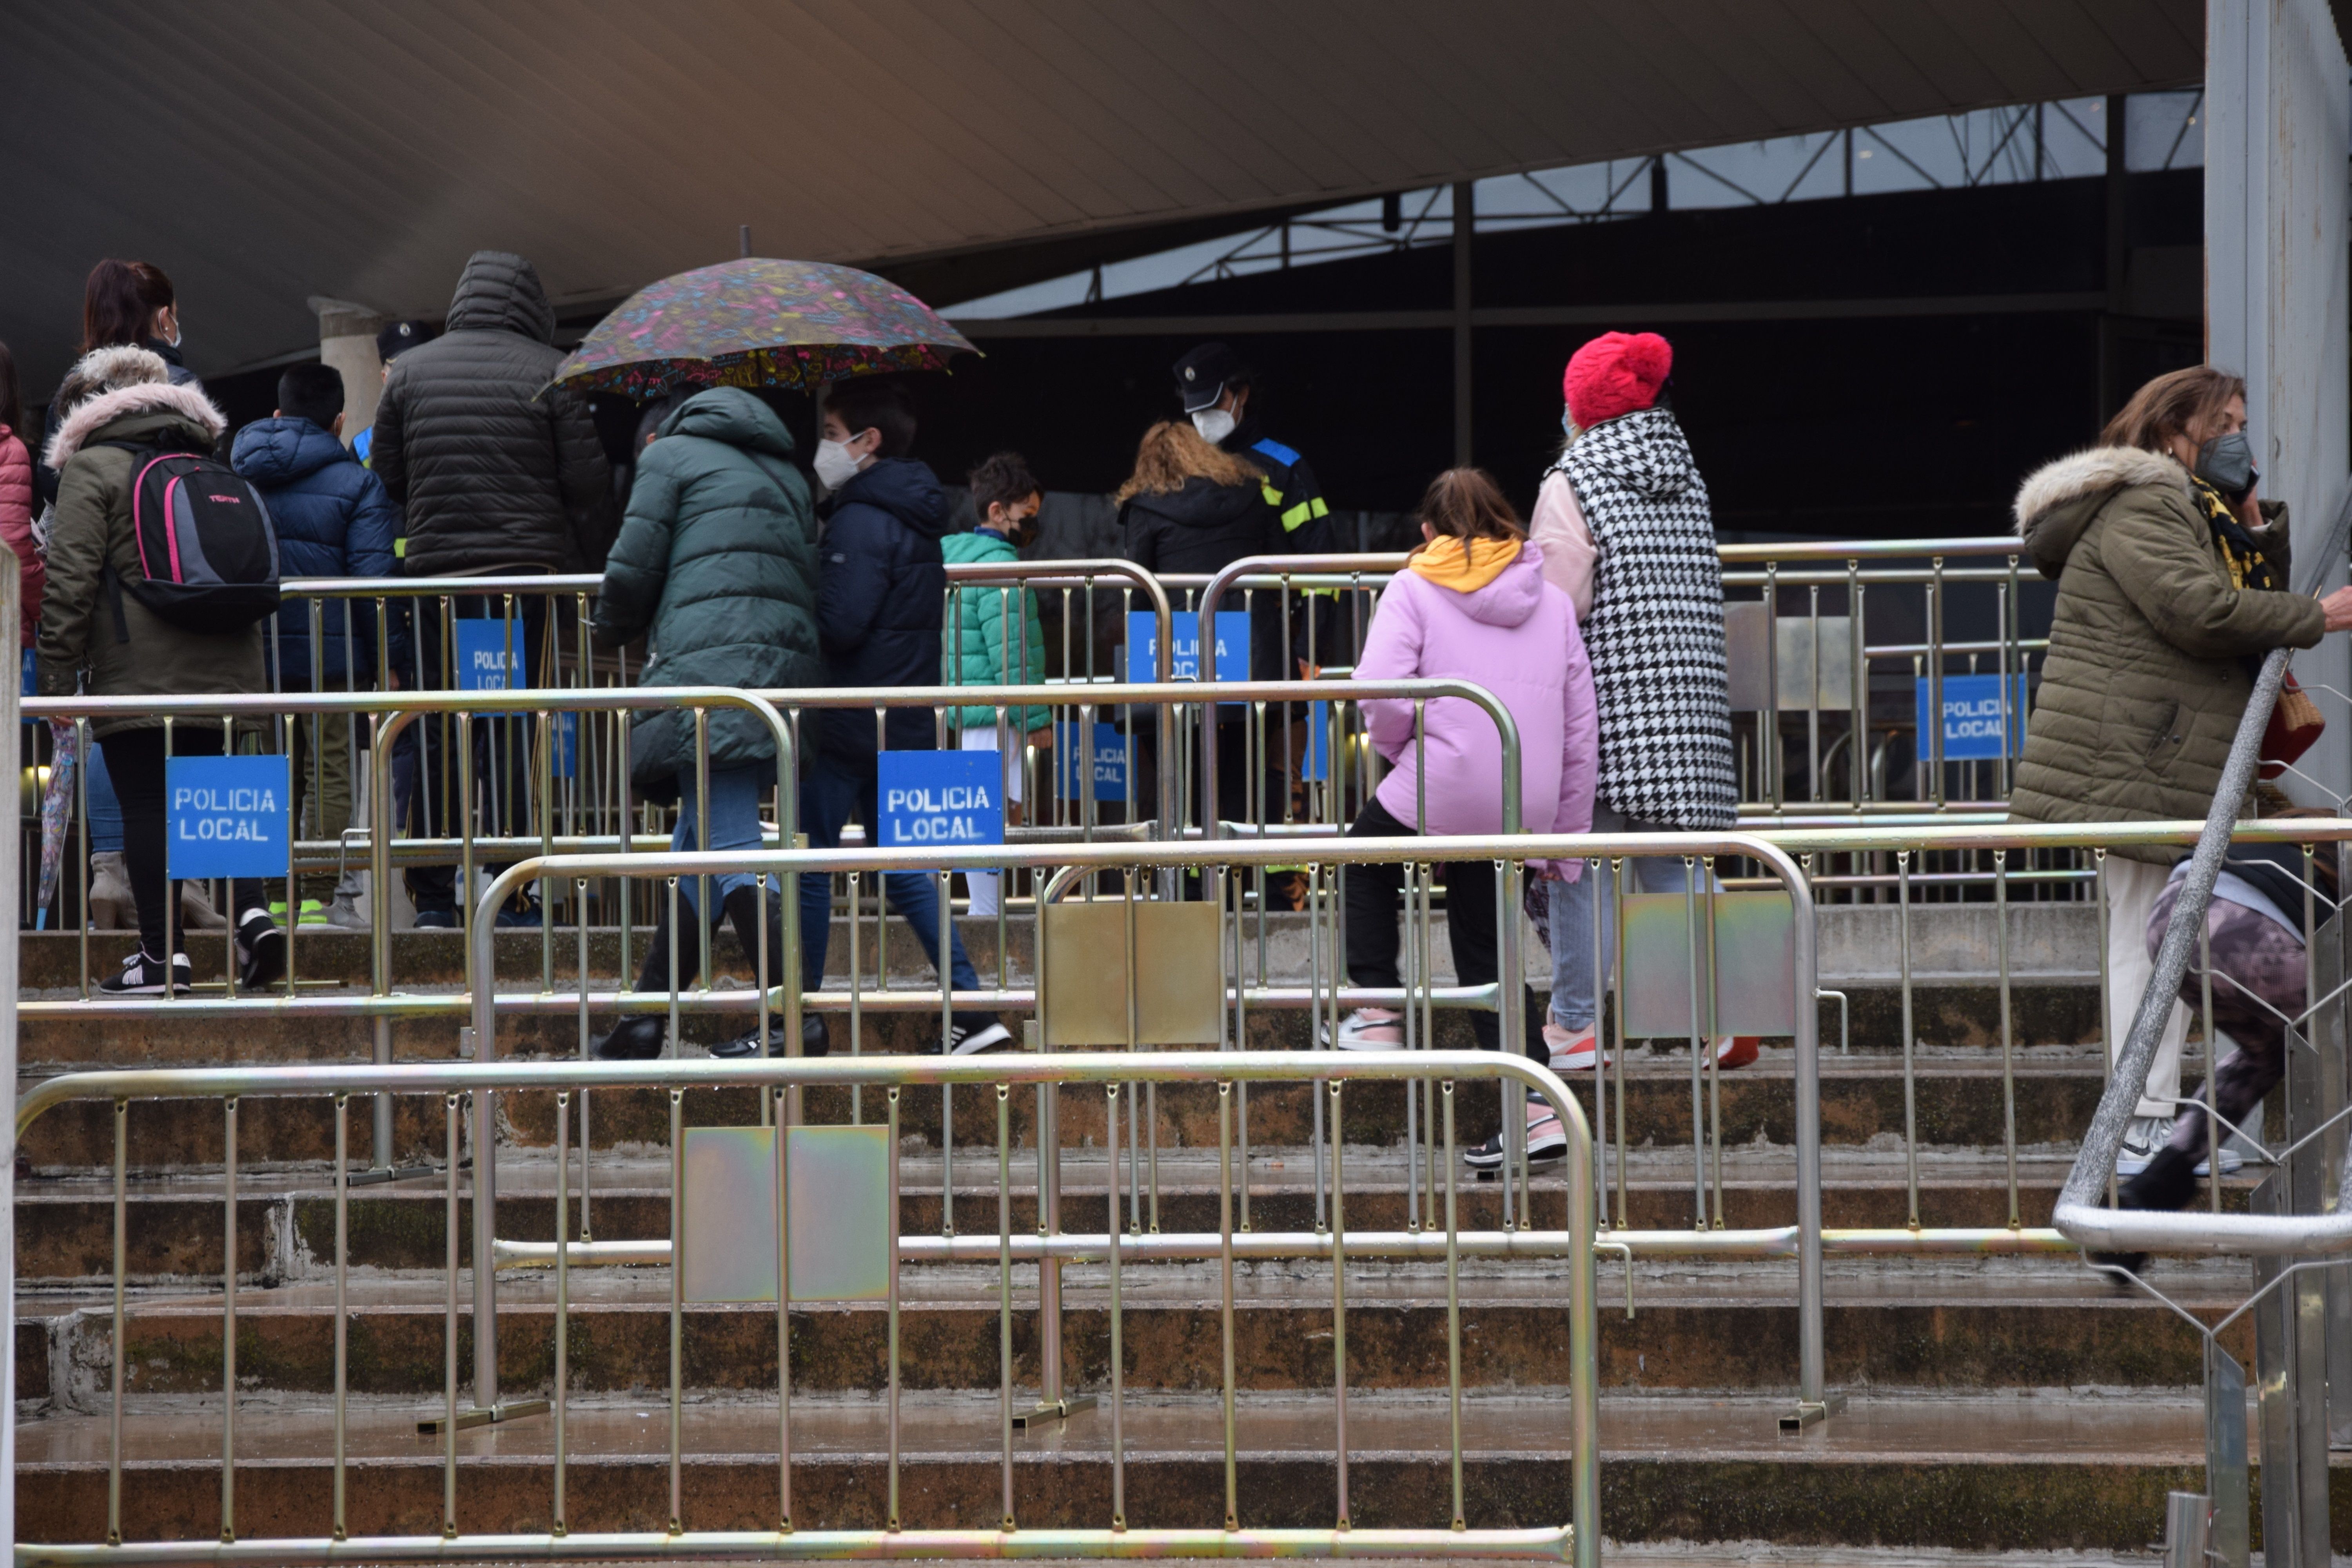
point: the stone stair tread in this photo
(2144, 1428)
(1929, 1283)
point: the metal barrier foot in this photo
(1808, 1412)
(375, 1175)
(478, 1416)
(1060, 1411)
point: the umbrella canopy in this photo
(759, 322)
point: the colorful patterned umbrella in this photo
(757, 323)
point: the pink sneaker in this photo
(1573, 1050)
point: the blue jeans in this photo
(1576, 906)
(834, 791)
(734, 825)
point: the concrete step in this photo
(2047, 1471)
(65, 1228)
(1960, 1100)
(1946, 1324)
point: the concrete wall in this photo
(2278, 131)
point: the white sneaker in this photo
(1368, 1029)
(965, 1041)
(2142, 1138)
(343, 911)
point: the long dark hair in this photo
(120, 300)
(12, 397)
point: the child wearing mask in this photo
(994, 637)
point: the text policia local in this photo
(941, 814)
(201, 812)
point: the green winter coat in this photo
(2152, 648)
(717, 562)
(981, 643)
(142, 655)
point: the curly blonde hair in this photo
(1172, 452)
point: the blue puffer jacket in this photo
(881, 600)
(333, 519)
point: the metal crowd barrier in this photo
(864, 1265)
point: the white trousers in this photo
(982, 885)
(2133, 888)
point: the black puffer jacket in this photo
(491, 470)
(1204, 527)
(881, 600)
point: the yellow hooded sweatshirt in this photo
(1464, 566)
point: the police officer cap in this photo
(400, 337)
(1202, 375)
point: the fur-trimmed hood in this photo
(2058, 500)
(187, 403)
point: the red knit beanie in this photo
(1616, 373)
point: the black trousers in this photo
(503, 803)
(1374, 940)
(134, 760)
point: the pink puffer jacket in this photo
(1515, 637)
(16, 523)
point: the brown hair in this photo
(1466, 503)
(1172, 452)
(2177, 403)
(120, 300)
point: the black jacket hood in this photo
(499, 292)
(1201, 503)
(904, 487)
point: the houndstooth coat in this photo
(1655, 634)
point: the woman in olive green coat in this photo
(2172, 586)
(715, 566)
(117, 402)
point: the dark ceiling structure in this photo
(268, 153)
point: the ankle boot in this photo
(653, 975)
(640, 1037)
(741, 908)
(742, 911)
(2169, 1182)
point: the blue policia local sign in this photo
(1973, 717)
(490, 655)
(1232, 652)
(228, 817)
(1107, 759)
(931, 798)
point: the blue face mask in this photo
(1568, 425)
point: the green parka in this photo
(2151, 646)
(717, 562)
(981, 643)
(141, 655)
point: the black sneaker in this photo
(261, 949)
(984, 1033)
(437, 919)
(144, 976)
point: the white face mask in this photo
(837, 465)
(1214, 424)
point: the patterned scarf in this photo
(2245, 562)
